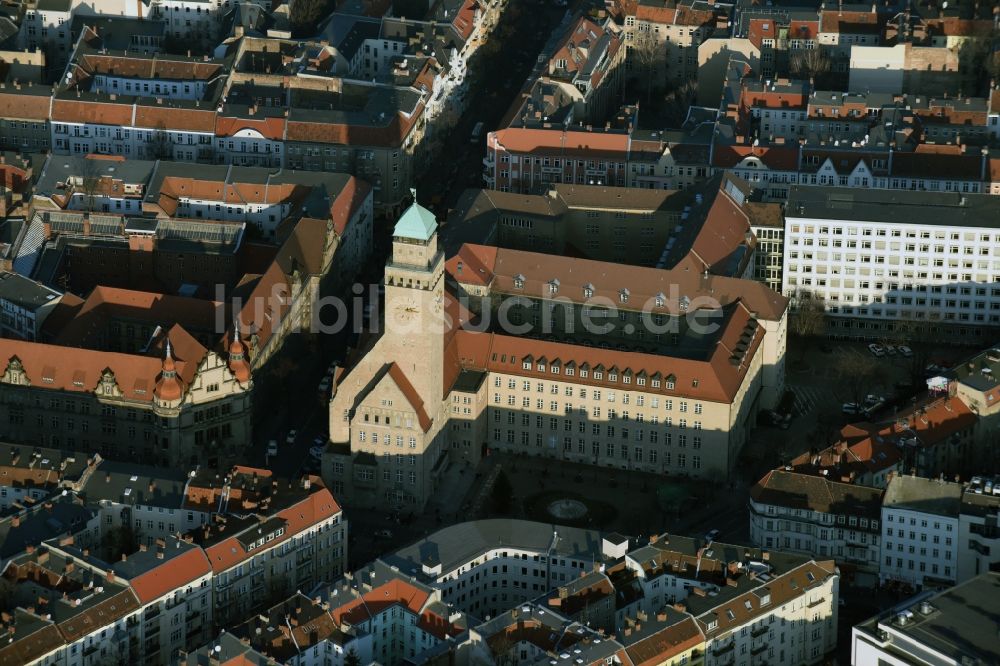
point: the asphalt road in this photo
(498, 78)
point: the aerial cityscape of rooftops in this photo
(499, 332)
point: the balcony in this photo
(721, 650)
(758, 650)
(759, 631)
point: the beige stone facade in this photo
(429, 393)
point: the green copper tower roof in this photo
(416, 222)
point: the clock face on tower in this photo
(406, 309)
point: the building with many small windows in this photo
(887, 264)
(509, 358)
(920, 531)
(812, 514)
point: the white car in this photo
(876, 350)
(272, 448)
(904, 351)
(324, 385)
(292, 434)
(890, 350)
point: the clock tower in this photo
(414, 299)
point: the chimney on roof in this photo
(15, 521)
(124, 557)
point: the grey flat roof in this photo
(455, 545)
(23, 292)
(963, 622)
(113, 478)
(928, 495)
(950, 209)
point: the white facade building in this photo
(920, 531)
(878, 258)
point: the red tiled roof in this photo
(94, 113)
(347, 203)
(269, 128)
(523, 140)
(396, 592)
(79, 370)
(172, 574)
(24, 107)
(314, 509)
(776, 158)
(170, 118)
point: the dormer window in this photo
(660, 300)
(588, 291)
(518, 281)
(553, 287)
(612, 376)
(683, 303)
(623, 295)
(526, 365)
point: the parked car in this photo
(890, 350)
(904, 351)
(324, 385)
(292, 434)
(876, 350)
(317, 451)
(384, 534)
(712, 535)
(851, 408)
(272, 448)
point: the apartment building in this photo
(240, 109)
(301, 630)
(861, 455)
(881, 261)
(976, 383)
(146, 502)
(587, 65)
(30, 474)
(820, 517)
(978, 533)
(671, 31)
(294, 539)
(24, 306)
(74, 607)
(672, 600)
(532, 159)
(920, 531)
(951, 625)
(687, 388)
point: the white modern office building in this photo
(886, 263)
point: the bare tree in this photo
(647, 54)
(90, 181)
(809, 64)
(306, 14)
(863, 373)
(678, 102)
(159, 144)
(807, 316)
